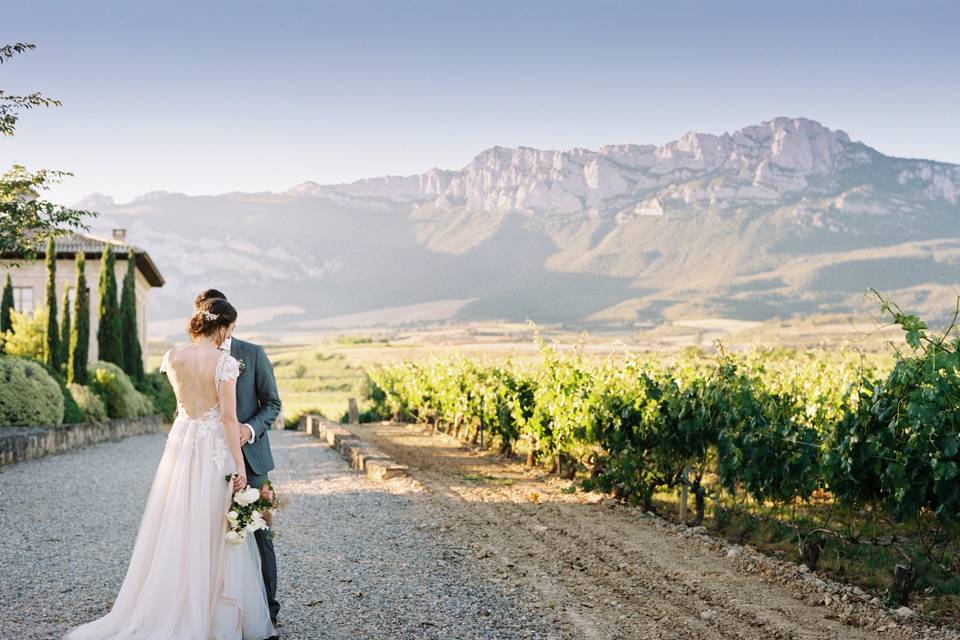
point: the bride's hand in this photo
(239, 480)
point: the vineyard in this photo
(848, 462)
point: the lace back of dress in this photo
(227, 368)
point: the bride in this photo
(185, 582)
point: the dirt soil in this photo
(609, 571)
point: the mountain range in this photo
(782, 218)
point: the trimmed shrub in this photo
(29, 395)
(89, 403)
(72, 413)
(157, 387)
(117, 392)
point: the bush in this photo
(376, 398)
(72, 413)
(28, 394)
(117, 392)
(89, 403)
(28, 336)
(292, 420)
(157, 387)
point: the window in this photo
(23, 299)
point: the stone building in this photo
(30, 278)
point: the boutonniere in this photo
(242, 365)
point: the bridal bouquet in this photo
(267, 503)
(250, 510)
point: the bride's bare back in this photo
(193, 372)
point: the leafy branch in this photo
(25, 218)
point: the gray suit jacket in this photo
(258, 403)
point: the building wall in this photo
(34, 274)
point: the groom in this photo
(258, 405)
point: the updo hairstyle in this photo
(210, 316)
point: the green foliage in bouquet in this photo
(251, 508)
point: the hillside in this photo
(783, 218)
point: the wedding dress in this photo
(185, 581)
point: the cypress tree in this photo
(132, 353)
(80, 333)
(52, 349)
(65, 329)
(109, 338)
(6, 310)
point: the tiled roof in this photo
(92, 247)
(75, 243)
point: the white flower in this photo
(246, 496)
(255, 515)
(235, 537)
(232, 517)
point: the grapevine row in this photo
(773, 428)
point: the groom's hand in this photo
(244, 434)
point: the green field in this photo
(320, 373)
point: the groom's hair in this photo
(209, 294)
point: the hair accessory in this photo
(210, 316)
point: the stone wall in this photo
(359, 454)
(26, 443)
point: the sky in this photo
(211, 97)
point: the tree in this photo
(24, 216)
(109, 338)
(6, 310)
(52, 348)
(80, 334)
(65, 329)
(132, 353)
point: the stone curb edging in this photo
(28, 443)
(359, 454)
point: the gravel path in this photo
(356, 559)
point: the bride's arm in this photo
(231, 426)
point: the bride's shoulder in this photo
(165, 360)
(228, 368)
(171, 355)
